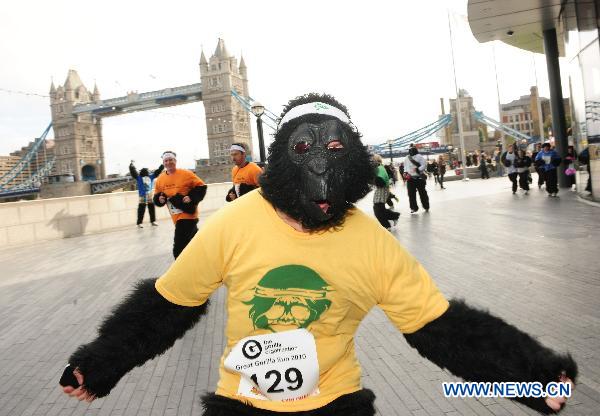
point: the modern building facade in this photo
(523, 114)
(9, 162)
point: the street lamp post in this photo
(458, 109)
(391, 155)
(258, 109)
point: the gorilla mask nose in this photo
(318, 165)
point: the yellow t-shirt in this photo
(248, 174)
(279, 279)
(181, 182)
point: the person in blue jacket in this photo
(145, 185)
(548, 160)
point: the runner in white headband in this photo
(167, 155)
(235, 147)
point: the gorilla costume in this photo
(145, 185)
(296, 294)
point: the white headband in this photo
(237, 147)
(314, 108)
(167, 155)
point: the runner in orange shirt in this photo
(244, 174)
(181, 190)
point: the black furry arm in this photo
(245, 188)
(133, 171)
(197, 194)
(159, 170)
(477, 346)
(143, 326)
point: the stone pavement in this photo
(532, 260)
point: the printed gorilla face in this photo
(317, 169)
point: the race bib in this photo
(172, 208)
(282, 366)
(147, 182)
(547, 159)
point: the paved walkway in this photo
(533, 260)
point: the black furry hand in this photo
(187, 207)
(156, 199)
(477, 346)
(143, 326)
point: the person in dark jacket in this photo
(522, 164)
(441, 170)
(391, 171)
(508, 159)
(434, 169)
(401, 169)
(145, 185)
(538, 169)
(483, 167)
(569, 163)
(549, 160)
(584, 159)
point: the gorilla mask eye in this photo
(335, 145)
(301, 147)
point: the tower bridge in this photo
(77, 116)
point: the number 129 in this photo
(292, 375)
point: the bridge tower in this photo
(226, 121)
(78, 137)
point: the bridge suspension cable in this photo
(38, 144)
(414, 136)
(247, 102)
(482, 118)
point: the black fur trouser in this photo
(185, 230)
(524, 180)
(384, 215)
(359, 403)
(540, 172)
(551, 181)
(142, 211)
(513, 178)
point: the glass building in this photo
(579, 26)
(565, 28)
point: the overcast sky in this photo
(388, 62)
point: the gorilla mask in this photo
(318, 168)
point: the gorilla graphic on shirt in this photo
(289, 295)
